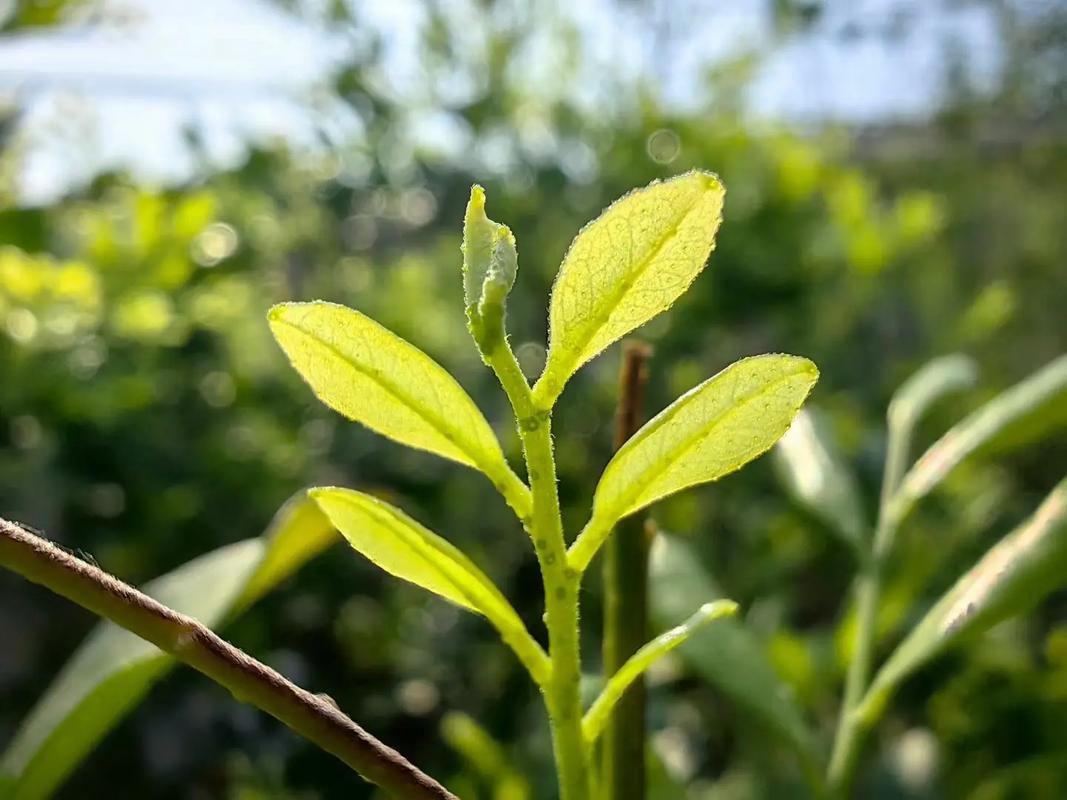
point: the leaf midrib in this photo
(616, 295)
(407, 530)
(691, 441)
(431, 419)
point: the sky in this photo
(123, 94)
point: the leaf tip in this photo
(811, 369)
(710, 182)
(277, 311)
(321, 494)
(477, 196)
(716, 609)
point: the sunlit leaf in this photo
(818, 478)
(371, 375)
(708, 432)
(597, 717)
(726, 654)
(113, 669)
(627, 266)
(402, 547)
(1013, 577)
(1011, 408)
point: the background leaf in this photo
(372, 376)
(627, 266)
(487, 757)
(402, 547)
(1011, 408)
(1014, 576)
(817, 477)
(113, 669)
(930, 383)
(1042, 420)
(726, 654)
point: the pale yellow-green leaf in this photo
(402, 547)
(597, 716)
(627, 266)
(372, 376)
(710, 431)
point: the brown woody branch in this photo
(43, 562)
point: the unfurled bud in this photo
(490, 263)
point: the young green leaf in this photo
(818, 478)
(402, 547)
(113, 669)
(1010, 408)
(1014, 576)
(490, 264)
(627, 266)
(710, 431)
(727, 655)
(597, 717)
(372, 376)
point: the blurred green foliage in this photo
(148, 418)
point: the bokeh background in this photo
(896, 175)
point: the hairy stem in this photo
(626, 606)
(40, 561)
(561, 584)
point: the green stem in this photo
(622, 766)
(561, 583)
(848, 738)
(309, 715)
(850, 731)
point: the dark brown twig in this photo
(250, 681)
(626, 603)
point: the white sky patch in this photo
(122, 95)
